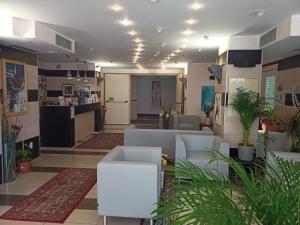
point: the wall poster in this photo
(156, 94)
(14, 87)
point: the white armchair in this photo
(129, 182)
(200, 150)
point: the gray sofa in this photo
(158, 138)
(186, 122)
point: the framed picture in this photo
(207, 96)
(14, 87)
(68, 89)
(87, 88)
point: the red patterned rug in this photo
(54, 201)
(103, 141)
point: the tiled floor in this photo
(46, 167)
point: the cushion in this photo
(186, 126)
(202, 158)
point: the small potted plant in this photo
(207, 110)
(24, 160)
(165, 115)
(269, 120)
(294, 132)
(248, 105)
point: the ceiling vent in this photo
(63, 42)
(18, 47)
(268, 37)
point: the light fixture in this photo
(177, 50)
(69, 74)
(199, 50)
(154, 1)
(125, 22)
(159, 29)
(191, 21)
(196, 6)
(137, 40)
(188, 32)
(183, 46)
(184, 40)
(140, 45)
(132, 32)
(78, 76)
(116, 7)
(260, 12)
(85, 77)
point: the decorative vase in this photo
(9, 162)
(207, 121)
(24, 167)
(246, 152)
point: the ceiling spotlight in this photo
(157, 53)
(132, 32)
(177, 50)
(260, 12)
(137, 40)
(154, 1)
(187, 32)
(125, 22)
(159, 29)
(199, 50)
(196, 6)
(163, 44)
(140, 45)
(116, 7)
(191, 21)
(183, 46)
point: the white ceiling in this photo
(93, 25)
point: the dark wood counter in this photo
(57, 123)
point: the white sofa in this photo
(200, 150)
(158, 138)
(278, 142)
(129, 182)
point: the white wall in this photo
(197, 77)
(144, 94)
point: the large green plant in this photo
(204, 198)
(294, 131)
(248, 105)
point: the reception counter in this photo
(63, 126)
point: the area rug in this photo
(103, 141)
(54, 201)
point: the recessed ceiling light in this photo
(187, 32)
(177, 50)
(116, 7)
(196, 6)
(140, 45)
(199, 50)
(183, 46)
(154, 1)
(260, 12)
(158, 29)
(132, 32)
(191, 21)
(137, 40)
(184, 40)
(125, 22)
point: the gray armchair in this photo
(186, 122)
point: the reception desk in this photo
(63, 126)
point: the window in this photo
(270, 91)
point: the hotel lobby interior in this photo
(150, 112)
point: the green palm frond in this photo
(207, 198)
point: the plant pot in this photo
(246, 152)
(207, 121)
(24, 167)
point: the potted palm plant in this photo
(294, 131)
(24, 160)
(211, 199)
(248, 105)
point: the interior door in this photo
(117, 98)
